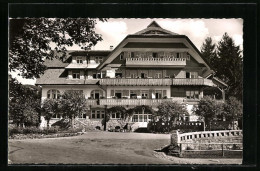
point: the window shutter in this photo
(125, 92)
(164, 93)
(138, 92)
(164, 73)
(127, 73)
(112, 93)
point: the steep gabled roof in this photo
(154, 29)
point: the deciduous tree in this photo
(233, 110)
(72, 104)
(50, 107)
(31, 40)
(209, 110)
(170, 112)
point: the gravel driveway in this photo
(100, 148)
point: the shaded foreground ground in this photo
(100, 148)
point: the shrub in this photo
(13, 131)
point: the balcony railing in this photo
(135, 82)
(92, 102)
(156, 61)
(155, 82)
(149, 102)
(192, 81)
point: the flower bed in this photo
(38, 136)
(33, 133)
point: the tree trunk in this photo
(105, 119)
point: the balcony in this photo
(166, 62)
(155, 82)
(91, 102)
(135, 82)
(136, 102)
(192, 81)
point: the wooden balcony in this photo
(91, 102)
(142, 62)
(135, 82)
(192, 81)
(137, 102)
(155, 82)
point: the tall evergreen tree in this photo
(230, 66)
(208, 52)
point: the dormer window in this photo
(75, 74)
(79, 60)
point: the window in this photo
(135, 118)
(158, 75)
(158, 94)
(141, 118)
(144, 94)
(75, 74)
(145, 118)
(79, 60)
(102, 114)
(118, 75)
(155, 55)
(98, 59)
(192, 94)
(99, 74)
(188, 56)
(133, 76)
(98, 114)
(96, 94)
(121, 57)
(93, 114)
(143, 75)
(187, 75)
(53, 94)
(132, 55)
(118, 95)
(103, 74)
(113, 115)
(178, 55)
(191, 74)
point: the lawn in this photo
(99, 148)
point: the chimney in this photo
(111, 47)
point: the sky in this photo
(115, 30)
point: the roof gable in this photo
(155, 29)
(154, 24)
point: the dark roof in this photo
(55, 63)
(57, 76)
(153, 24)
(91, 52)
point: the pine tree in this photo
(230, 67)
(208, 52)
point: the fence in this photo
(208, 143)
